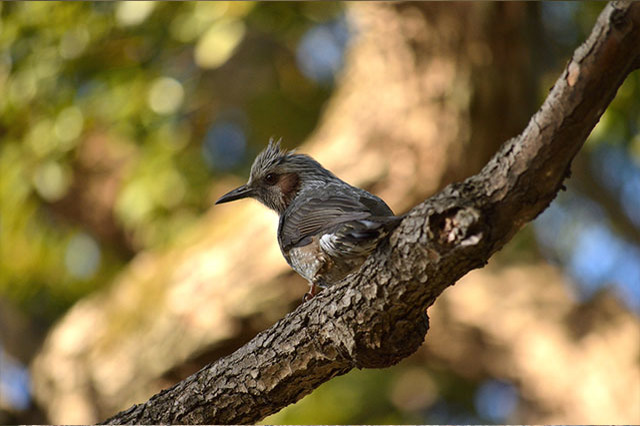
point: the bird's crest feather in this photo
(271, 156)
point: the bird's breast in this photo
(307, 260)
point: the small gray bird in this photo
(327, 227)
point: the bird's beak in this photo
(243, 191)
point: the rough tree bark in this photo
(376, 318)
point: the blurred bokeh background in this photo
(122, 122)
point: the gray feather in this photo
(351, 217)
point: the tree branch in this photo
(376, 317)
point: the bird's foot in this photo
(313, 290)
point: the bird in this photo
(327, 228)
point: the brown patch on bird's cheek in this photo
(288, 184)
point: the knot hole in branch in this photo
(456, 227)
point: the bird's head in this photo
(278, 176)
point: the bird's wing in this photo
(348, 225)
(316, 215)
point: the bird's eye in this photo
(271, 178)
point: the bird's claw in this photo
(313, 290)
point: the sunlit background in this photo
(118, 118)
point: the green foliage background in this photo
(90, 71)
